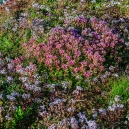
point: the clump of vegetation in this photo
(64, 64)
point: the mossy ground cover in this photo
(64, 64)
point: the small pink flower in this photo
(119, 58)
(71, 62)
(68, 58)
(64, 66)
(101, 68)
(76, 70)
(121, 40)
(17, 61)
(57, 62)
(103, 44)
(58, 46)
(61, 52)
(24, 45)
(36, 53)
(48, 62)
(77, 19)
(91, 66)
(87, 74)
(112, 44)
(18, 67)
(77, 54)
(83, 63)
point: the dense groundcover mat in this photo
(64, 64)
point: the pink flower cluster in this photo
(80, 21)
(82, 54)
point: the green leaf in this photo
(19, 113)
(27, 112)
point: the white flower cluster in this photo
(9, 79)
(111, 4)
(14, 93)
(115, 105)
(36, 5)
(102, 111)
(26, 96)
(82, 117)
(57, 102)
(10, 97)
(78, 90)
(1, 96)
(75, 123)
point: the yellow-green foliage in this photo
(119, 87)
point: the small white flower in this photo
(15, 94)
(8, 59)
(82, 117)
(120, 105)
(71, 109)
(44, 113)
(38, 100)
(102, 111)
(122, 20)
(127, 44)
(7, 117)
(9, 79)
(112, 108)
(95, 79)
(14, 29)
(115, 75)
(37, 89)
(95, 115)
(78, 77)
(74, 123)
(7, 9)
(117, 98)
(92, 124)
(26, 96)
(93, 1)
(82, 1)
(1, 96)
(10, 66)
(111, 68)
(1, 109)
(76, 92)
(79, 88)
(10, 97)
(24, 79)
(127, 117)
(42, 6)
(43, 108)
(107, 73)
(53, 86)
(65, 84)
(48, 9)
(3, 71)
(53, 126)
(111, 102)
(13, 108)
(35, 5)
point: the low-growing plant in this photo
(60, 65)
(80, 54)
